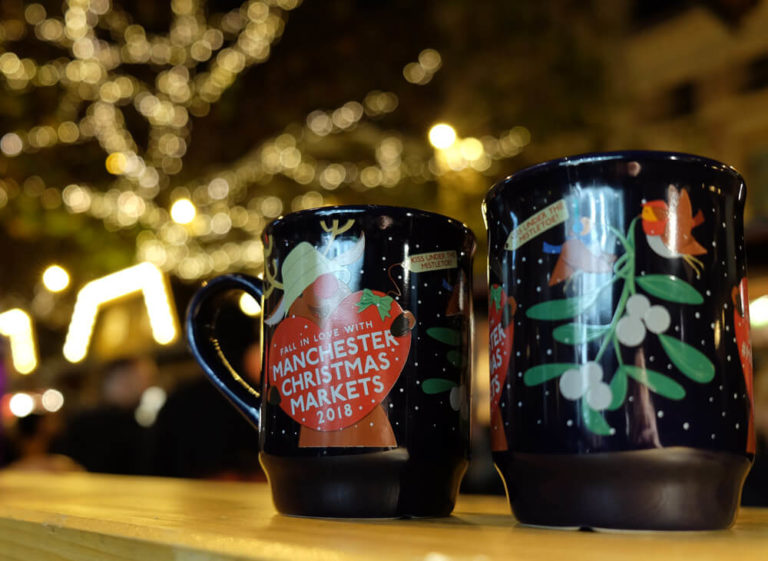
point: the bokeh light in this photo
(55, 278)
(442, 136)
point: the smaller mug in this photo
(366, 339)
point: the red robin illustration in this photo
(668, 228)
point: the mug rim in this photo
(616, 155)
(361, 208)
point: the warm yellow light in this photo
(758, 312)
(248, 305)
(144, 278)
(11, 144)
(442, 136)
(471, 149)
(21, 404)
(55, 278)
(183, 211)
(116, 163)
(17, 326)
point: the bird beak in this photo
(648, 214)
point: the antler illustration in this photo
(271, 275)
(335, 230)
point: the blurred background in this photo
(145, 144)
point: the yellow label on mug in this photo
(433, 261)
(554, 214)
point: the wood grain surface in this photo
(110, 518)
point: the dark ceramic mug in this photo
(621, 373)
(366, 354)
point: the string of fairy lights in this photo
(210, 225)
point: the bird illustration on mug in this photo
(578, 254)
(668, 227)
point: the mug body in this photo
(621, 372)
(367, 331)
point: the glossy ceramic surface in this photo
(618, 308)
(366, 357)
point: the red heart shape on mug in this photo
(744, 343)
(501, 333)
(332, 375)
(501, 311)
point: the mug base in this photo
(382, 484)
(673, 488)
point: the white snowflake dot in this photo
(686, 426)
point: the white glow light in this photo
(21, 404)
(55, 278)
(17, 326)
(442, 136)
(248, 305)
(52, 400)
(183, 211)
(758, 312)
(144, 278)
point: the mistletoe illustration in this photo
(633, 319)
(452, 338)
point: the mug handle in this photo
(202, 341)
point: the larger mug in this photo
(366, 343)
(621, 375)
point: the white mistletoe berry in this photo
(599, 396)
(630, 331)
(575, 382)
(657, 319)
(638, 305)
(456, 398)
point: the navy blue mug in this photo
(621, 373)
(366, 340)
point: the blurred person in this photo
(108, 438)
(756, 486)
(33, 442)
(198, 434)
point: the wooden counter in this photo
(108, 518)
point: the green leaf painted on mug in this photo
(689, 360)
(578, 333)
(669, 288)
(456, 358)
(566, 308)
(445, 335)
(437, 385)
(543, 372)
(618, 389)
(656, 382)
(594, 420)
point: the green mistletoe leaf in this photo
(618, 389)
(578, 333)
(445, 335)
(594, 421)
(496, 296)
(670, 288)
(437, 385)
(383, 303)
(554, 310)
(689, 360)
(656, 382)
(544, 372)
(456, 358)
